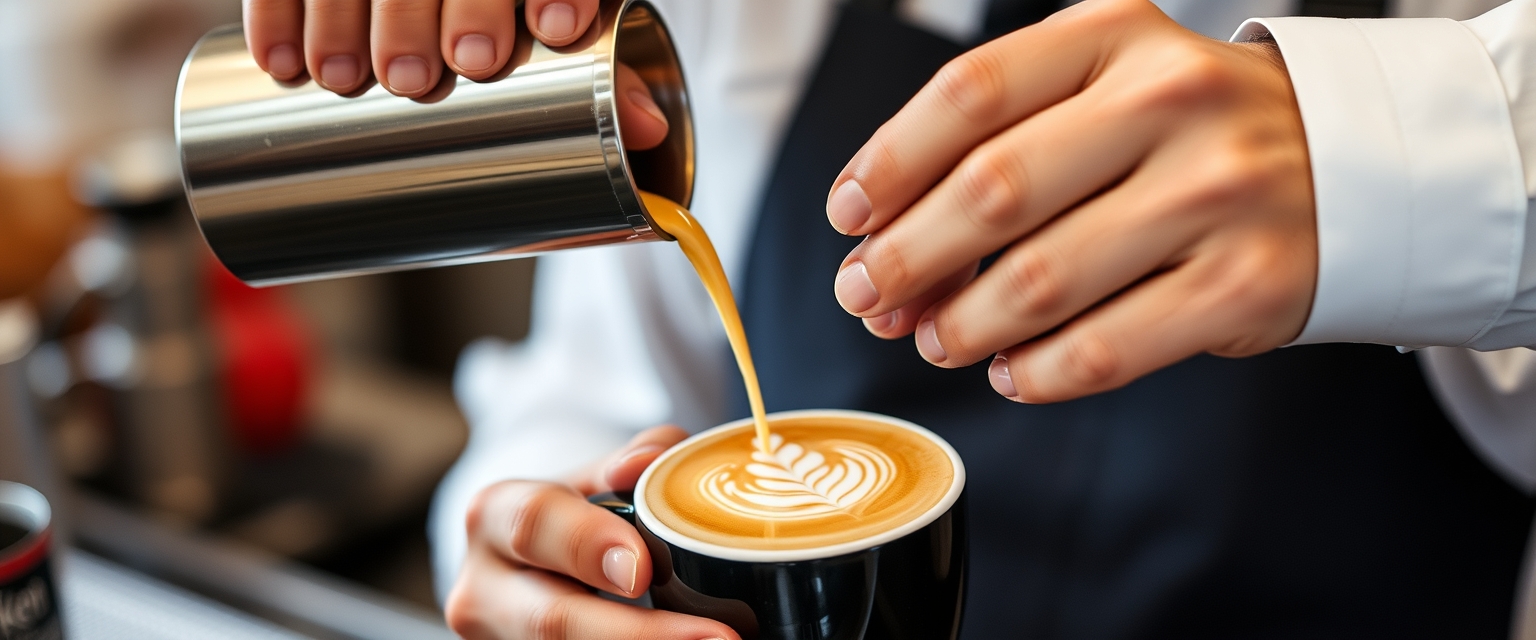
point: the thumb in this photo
(621, 470)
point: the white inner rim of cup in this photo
(810, 553)
(21, 502)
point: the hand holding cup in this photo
(537, 550)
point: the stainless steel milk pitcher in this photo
(295, 183)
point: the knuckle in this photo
(1259, 281)
(974, 85)
(403, 8)
(1258, 297)
(888, 266)
(1035, 284)
(880, 161)
(1190, 77)
(328, 8)
(993, 188)
(879, 158)
(462, 612)
(550, 620)
(1243, 172)
(480, 506)
(576, 542)
(951, 332)
(1101, 16)
(524, 520)
(1088, 358)
(474, 517)
(1230, 177)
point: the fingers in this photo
(551, 526)
(560, 22)
(1094, 354)
(493, 601)
(1209, 304)
(903, 321)
(1005, 189)
(406, 57)
(641, 122)
(968, 101)
(275, 34)
(477, 36)
(621, 470)
(1065, 268)
(336, 43)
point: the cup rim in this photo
(26, 553)
(672, 536)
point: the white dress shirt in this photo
(1418, 130)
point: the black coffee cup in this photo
(906, 582)
(28, 600)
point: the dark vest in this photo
(1311, 492)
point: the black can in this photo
(29, 601)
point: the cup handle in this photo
(619, 503)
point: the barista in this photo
(1154, 195)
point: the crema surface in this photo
(820, 481)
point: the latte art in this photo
(822, 480)
(789, 481)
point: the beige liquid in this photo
(807, 482)
(678, 223)
(825, 480)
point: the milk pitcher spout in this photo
(291, 183)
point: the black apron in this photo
(1311, 492)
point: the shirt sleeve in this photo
(1423, 141)
(621, 341)
(1421, 189)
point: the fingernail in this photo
(882, 323)
(407, 74)
(621, 566)
(283, 61)
(557, 21)
(339, 73)
(855, 291)
(474, 52)
(928, 342)
(1002, 382)
(644, 101)
(848, 208)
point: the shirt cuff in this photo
(1418, 181)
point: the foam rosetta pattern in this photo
(825, 478)
(790, 481)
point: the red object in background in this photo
(265, 361)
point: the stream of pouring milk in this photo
(680, 224)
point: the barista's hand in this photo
(344, 44)
(1149, 188)
(537, 550)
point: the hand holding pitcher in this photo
(405, 44)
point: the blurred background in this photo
(300, 429)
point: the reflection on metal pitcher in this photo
(295, 183)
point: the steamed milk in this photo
(802, 483)
(678, 223)
(820, 481)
